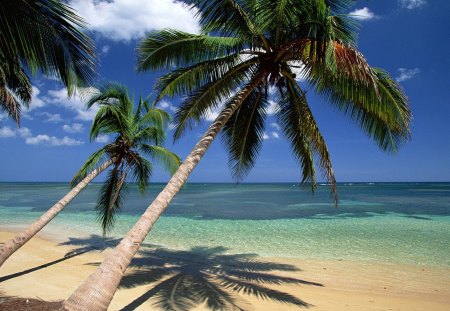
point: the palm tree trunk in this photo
(96, 293)
(17, 242)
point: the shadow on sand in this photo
(91, 243)
(183, 280)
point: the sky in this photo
(408, 38)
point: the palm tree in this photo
(41, 35)
(247, 46)
(136, 131)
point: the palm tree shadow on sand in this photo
(186, 279)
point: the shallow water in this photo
(406, 223)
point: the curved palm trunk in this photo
(96, 293)
(17, 242)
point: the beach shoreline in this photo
(347, 285)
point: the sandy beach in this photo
(48, 270)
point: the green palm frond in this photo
(141, 170)
(270, 39)
(135, 129)
(184, 80)
(301, 129)
(169, 160)
(229, 18)
(109, 201)
(210, 96)
(91, 163)
(174, 48)
(243, 134)
(369, 96)
(47, 35)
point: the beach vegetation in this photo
(139, 132)
(247, 51)
(44, 36)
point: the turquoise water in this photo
(402, 223)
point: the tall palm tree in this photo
(137, 131)
(41, 35)
(247, 46)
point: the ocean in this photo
(398, 223)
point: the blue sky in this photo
(408, 38)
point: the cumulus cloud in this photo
(36, 100)
(363, 14)
(75, 103)
(105, 49)
(123, 20)
(167, 106)
(275, 126)
(6, 132)
(51, 117)
(74, 128)
(41, 139)
(407, 74)
(412, 4)
(102, 139)
(271, 135)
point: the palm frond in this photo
(209, 97)
(141, 170)
(243, 134)
(47, 35)
(110, 197)
(173, 48)
(229, 18)
(185, 80)
(169, 160)
(301, 129)
(369, 96)
(91, 163)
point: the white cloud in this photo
(43, 139)
(167, 106)
(74, 128)
(363, 14)
(24, 132)
(9, 132)
(102, 139)
(131, 19)
(273, 107)
(6, 132)
(275, 126)
(75, 103)
(412, 4)
(36, 100)
(407, 74)
(273, 135)
(105, 49)
(51, 117)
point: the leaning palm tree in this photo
(139, 131)
(45, 36)
(245, 48)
